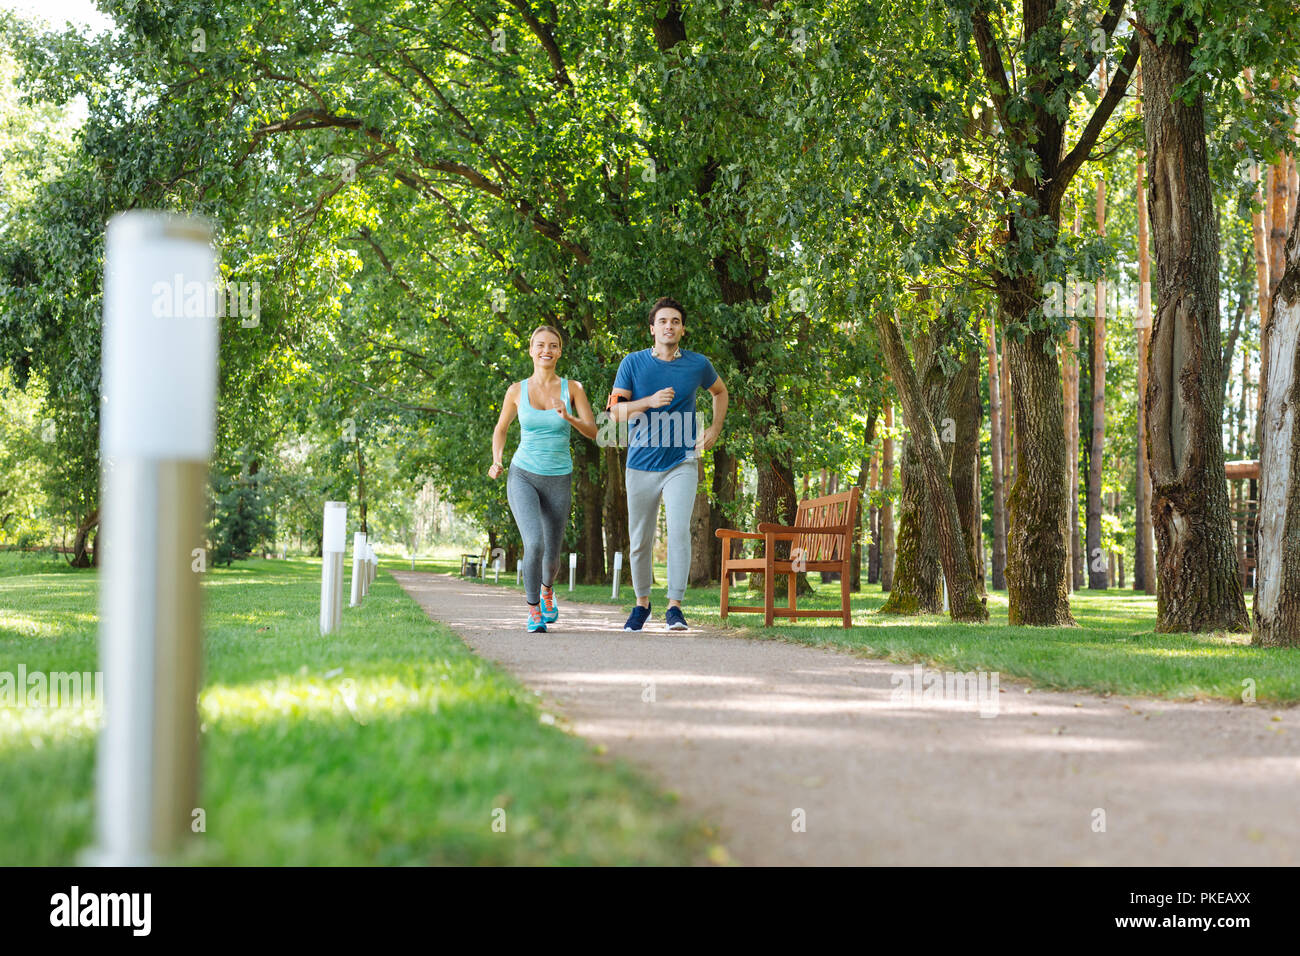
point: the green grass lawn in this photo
(434, 742)
(1113, 650)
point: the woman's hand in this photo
(557, 405)
(495, 470)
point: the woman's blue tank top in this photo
(543, 436)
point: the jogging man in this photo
(654, 391)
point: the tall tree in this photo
(1277, 595)
(1198, 588)
(964, 602)
(1033, 109)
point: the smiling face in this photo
(667, 327)
(545, 349)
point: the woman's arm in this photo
(585, 421)
(509, 409)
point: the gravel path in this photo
(758, 736)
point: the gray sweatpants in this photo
(540, 504)
(677, 487)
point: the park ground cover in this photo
(1114, 649)
(405, 764)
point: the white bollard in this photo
(945, 595)
(573, 567)
(374, 566)
(333, 544)
(496, 568)
(358, 559)
(618, 569)
(519, 571)
(159, 385)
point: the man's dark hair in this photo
(667, 302)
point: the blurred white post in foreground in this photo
(156, 435)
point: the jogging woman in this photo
(539, 485)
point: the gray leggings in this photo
(677, 487)
(541, 508)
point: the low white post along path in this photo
(618, 568)
(333, 544)
(358, 557)
(159, 384)
(519, 570)
(573, 567)
(374, 565)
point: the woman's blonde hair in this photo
(546, 328)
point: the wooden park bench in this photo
(821, 539)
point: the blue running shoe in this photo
(637, 618)
(549, 612)
(675, 619)
(535, 622)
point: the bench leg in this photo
(769, 590)
(726, 584)
(792, 589)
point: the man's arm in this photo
(626, 408)
(720, 401)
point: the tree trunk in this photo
(887, 507)
(917, 585)
(1008, 460)
(361, 487)
(995, 454)
(592, 498)
(966, 470)
(1072, 455)
(616, 532)
(964, 603)
(777, 504)
(80, 556)
(1144, 567)
(698, 576)
(1198, 588)
(1277, 591)
(873, 524)
(1037, 593)
(725, 469)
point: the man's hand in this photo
(662, 397)
(707, 440)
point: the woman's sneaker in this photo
(549, 612)
(675, 619)
(535, 622)
(636, 620)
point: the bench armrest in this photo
(728, 533)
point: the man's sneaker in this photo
(535, 622)
(675, 619)
(549, 612)
(637, 618)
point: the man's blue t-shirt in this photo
(659, 437)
